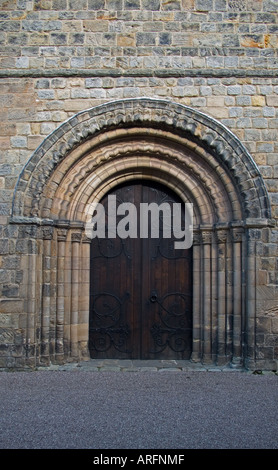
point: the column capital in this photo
(76, 237)
(196, 238)
(221, 235)
(62, 235)
(47, 233)
(237, 234)
(86, 239)
(206, 237)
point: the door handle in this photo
(153, 297)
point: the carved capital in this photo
(86, 239)
(76, 237)
(196, 238)
(47, 233)
(237, 234)
(206, 237)
(62, 235)
(221, 236)
(254, 234)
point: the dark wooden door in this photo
(141, 288)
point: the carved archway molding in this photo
(133, 139)
(200, 129)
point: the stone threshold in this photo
(129, 365)
(126, 365)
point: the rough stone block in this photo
(145, 39)
(4, 246)
(18, 142)
(96, 4)
(132, 4)
(171, 5)
(234, 90)
(272, 100)
(152, 5)
(258, 100)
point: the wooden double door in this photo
(140, 288)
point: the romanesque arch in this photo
(191, 153)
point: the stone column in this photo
(46, 271)
(229, 299)
(214, 299)
(67, 296)
(61, 239)
(221, 237)
(252, 235)
(84, 298)
(30, 345)
(196, 307)
(206, 295)
(53, 300)
(237, 234)
(75, 272)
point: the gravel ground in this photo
(138, 410)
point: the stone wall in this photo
(139, 34)
(60, 57)
(33, 107)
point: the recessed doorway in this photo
(140, 288)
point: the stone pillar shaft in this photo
(45, 322)
(196, 333)
(237, 297)
(222, 296)
(75, 281)
(60, 294)
(206, 293)
(250, 297)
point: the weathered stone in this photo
(63, 57)
(4, 246)
(258, 100)
(96, 4)
(152, 5)
(10, 291)
(145, 39)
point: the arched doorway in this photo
(140, 288)
(161, 142)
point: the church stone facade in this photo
(95, 93)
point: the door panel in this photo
(141, 289)
(112, 323)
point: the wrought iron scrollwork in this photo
(106, 328)
(166, 248)
(110, 248)
(173, 328)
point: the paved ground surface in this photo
(134, 405)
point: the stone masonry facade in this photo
(61, 57)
